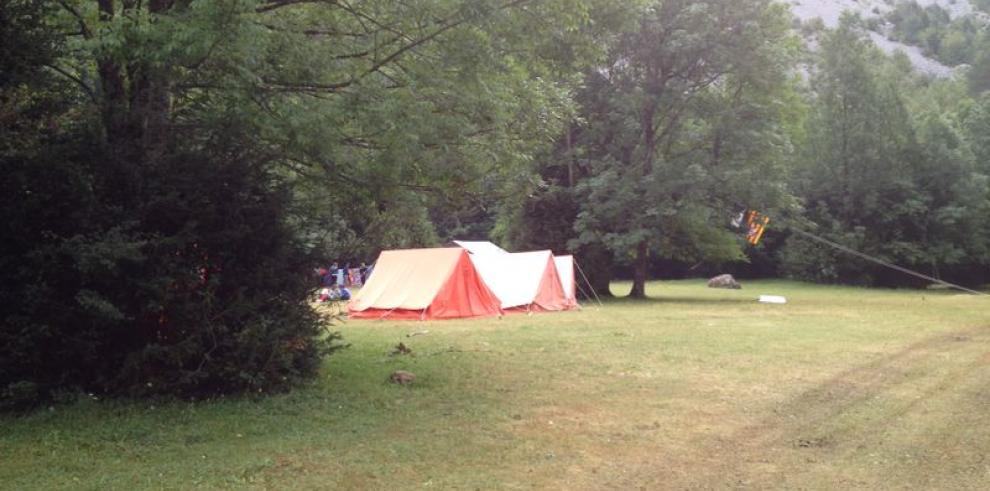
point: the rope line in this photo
(581, 290)
(882, 262)
(588, 283)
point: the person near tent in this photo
(326, 294)
(343, 293)
(354, 277)
(328, 278)
(364, 272)
(340, 275)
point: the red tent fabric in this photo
(424, 284)
(550, 295)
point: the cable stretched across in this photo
(881, 262)
(582, 292)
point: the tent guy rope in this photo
(578, 265)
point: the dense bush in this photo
(172, 274)
(180, 279)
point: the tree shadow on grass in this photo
(674, 299)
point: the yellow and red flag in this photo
(757, 224)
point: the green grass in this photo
(695, 388)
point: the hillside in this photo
(829, 12)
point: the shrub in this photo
(178, 278)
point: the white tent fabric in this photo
(480, 247)
(565, 269)
(513, 278)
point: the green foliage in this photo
(685, 126)
(976, 124)
(134, 263)
(979, 74)
(179, 280)
(890, 179)
(397, 108)
(950, 41)
(858, 152)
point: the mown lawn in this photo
(696, 388)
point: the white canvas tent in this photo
(480, 247)
(424, 284)
(565, 270)
(522, 280)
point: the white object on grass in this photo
(772, 299)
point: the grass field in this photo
(696, 388)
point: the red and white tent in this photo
(523, 280)
(424, 284)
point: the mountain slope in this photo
(829, 12)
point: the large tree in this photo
(684, 125)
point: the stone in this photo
(724, 281)
(402, 377)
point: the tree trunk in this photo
(135, 99)
(113, 89)
(114, 105)
(649, 138)
(155, 106)
(150, 110)
(642, 249)
(717, 149)
(570, 155)
(639, 271)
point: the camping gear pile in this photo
(473, 279)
